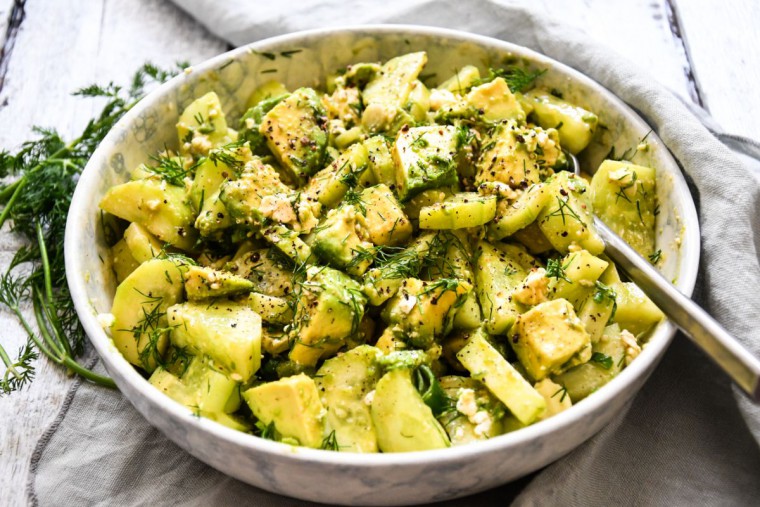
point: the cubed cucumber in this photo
(461, 211)
(142, 244)
(266, 91)
(488, 366)
(579, 272)
(496, 276)
(386, 221)
(494, 102)
(344, 383)
(402, 420)
(140, 326)
(202, 126)
(635, 311)
(123, 260)
(625, 198)
(463, 80)
(576, 126)
(556, 396)
(161, 208)
(380, 160)
(568, 217)
(511, 216)
(228, 333)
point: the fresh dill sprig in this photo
(330, 442)
(518, 79)
(602, 360)
(36, 204)
(555, 269)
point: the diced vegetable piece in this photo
(516, 155)
(268, 90)
(488, 366)
(123, 261)
(386, 222)
(250, 124)
(344, 383)
(607, 360)
(139, 328)
(496, 276)
(635, 311)
(418, 104)
(202, 126)
(494, 102)
(403, 421)
(295, 133)
(475, 413)
(161, 208)
(330, 309)
(576, 126)
(200, 388)
(142, 244)
(576, 277)
(533, 239)
(272, 309)
(268, 270)
(204, 283)
(548, 336)
(568, 218)
(557, 399)
(256, 195)
(288, 242)
(414, 205)
(292, 404)
(381, 160)
(511, 216)
(342, 240)
(389, 90)
(465, 78)
(228, 333)
(463, 210)
(419, 310)
(425, 158)
(624, 196)
(329, 186)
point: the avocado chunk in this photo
(200, 388)
(212, 171)
(488, 366)
(568, 217)
(266, 268)
(161, 208)
(497, 275)
(475, 413)
(342, 240)
(123, 261)
(250, 123)
(228, 333)
(625, 197)
(402, 420)
(419, 311)
(425, 158)
(547, 336)
(344, 382)
(388, 91)
(202, 126)
(140, 325)
(272, 309)
(380, 160)
(579, 272)
(292, 404)
(329, 186)
(387, 223)
(517, 155)
(330, 309)
(295, 133)
(575, 125)
(495, 102)
(465, 78)
(204, 283)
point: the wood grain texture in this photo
(61, 46)
(723, 40)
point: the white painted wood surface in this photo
(65, 44)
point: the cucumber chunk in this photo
(463, 210)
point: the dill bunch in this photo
(45, 171)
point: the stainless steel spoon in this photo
(696, 323)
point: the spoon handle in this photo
(703, 330)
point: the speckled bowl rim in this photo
(115, 363)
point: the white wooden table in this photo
(707, 51)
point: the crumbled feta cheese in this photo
(632, 348)
(534, 289)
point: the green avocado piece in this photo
(202, 126)
(204, 283)
(228, 333)
(342, 240)
(425, 158)
(295, 133)
(251, 122)
(292, 404)
(497, 275)
(402, 420)
(387, 223)
(330, 309)
(200, 388)
(344, 383)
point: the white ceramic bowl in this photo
(346, 478)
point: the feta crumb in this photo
(632, 348)
(534, 289)
(369, 397)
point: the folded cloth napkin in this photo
(687, 438)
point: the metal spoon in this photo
(696, 323)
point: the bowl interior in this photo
(305, 59)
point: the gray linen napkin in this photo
(685, 439)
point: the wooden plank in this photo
(60, 47)
(723, 43)
(638, 31)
